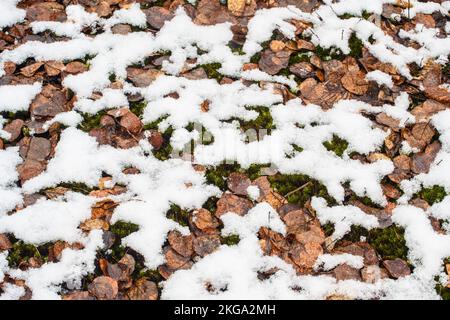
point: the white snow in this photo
(380, 77)
(10, 13)
(16, 98)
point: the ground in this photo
(236, 149)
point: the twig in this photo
(296, 190)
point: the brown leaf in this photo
(157, 16)
(174, 260)
(131, 122)
(242, 8)
(142, 77)
(30, 169)
(94, 224)
(373, 273)
(345, 272)
(231, 203)
(75, 67)
(78, 295)
(181, 244)
(104, 288)
(14, 128)
(427, 109)
(31, 69)
(5, 244)
(238, 183)
(206, 244)
(397, 268)
(422, 161)
(272, 62)
(53, 68)
(419, 136)
(143, 289)
(355, 82)
(46, 11)
(205, 221)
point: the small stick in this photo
(296, 190)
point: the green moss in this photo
(211, 204)
(326, 54)
(152, 275)
(263, 121)
(22, 251)
(355, 45)
(218, 175)
(91, 121)
(254, 171)
(388, 242)
(73, 186)
(287, 185)
(255, 58)
(138, 108)
(299, 57)
(337, 145)
(212, 72)
(443, 292)
(179, 215)
(230, 240)
(26, 131)
(122, 229)
(166, 149)
(328, 229)
(284, 72)
(433, 195)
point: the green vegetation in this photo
(337, 145)
(91, 121)
(388, 242)
(299, 188)
(355, 45)
(122, 229)
(299, 57)
(138, 107)
(263, 121)
(211, 204)
(22, 251)
(218, 175)
(212, 72)
(433, 194)
(179, 215)
(230, 240)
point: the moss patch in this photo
(230, 240)
(91, 121)
(287, 184)
(388, 242)
(433, 194)
(179, 215)
(337, 145)
(122, 229)
(20, 252)
(212, 72)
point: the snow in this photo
(380, 77)
(10, 13)
(327, 262)
(9, 193)
(342, 217)
(16, 98)
(231, 270)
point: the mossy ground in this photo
(433, 195)
(388, 242)
(298, 189)
(337, 145)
